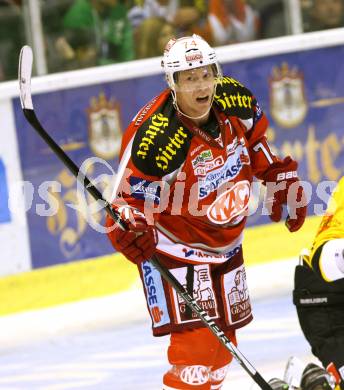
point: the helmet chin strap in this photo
(188, 116)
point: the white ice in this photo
(106, 343)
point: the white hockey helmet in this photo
(187, 53)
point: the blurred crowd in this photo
(84, 33)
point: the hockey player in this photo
(327, 253)
(320, 304)
(187, 161)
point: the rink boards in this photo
(112, 274)
(302, 101)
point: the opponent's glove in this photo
(284, 174)
(138, 242)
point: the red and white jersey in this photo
(194, 183)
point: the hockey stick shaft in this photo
(25, 66)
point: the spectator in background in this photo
(97, 32)
(187, 16)
(184, 15)
(12, 38)
(152, 37)
(273, 19)
(323, 14)
(220, 22)
(146, 9)
(52, 13)
(191, 18)
(233, 21)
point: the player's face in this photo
(195, 89)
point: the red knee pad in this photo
(199, 347)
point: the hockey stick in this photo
(25, 69)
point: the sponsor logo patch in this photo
(229, 206)
(157, 124)
(194, 55)
(144, 189)
(258, 113)
(286, 175)
(230, 148)
(167, 152)
(236, 295)
(213, 180)
(139, 117)
(155, 295)
(201, 255)
(203, 293)
(204, 156)
(195, 375)
(202, 169)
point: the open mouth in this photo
(202, 99)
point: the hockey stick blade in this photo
(24, 77)
(25, 68)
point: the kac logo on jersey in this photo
(105, 130)
(230, 206)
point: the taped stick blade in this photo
(24, 77)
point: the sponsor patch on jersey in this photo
(195, 375)
(230, 206)
(226, 173)
(141, 114)
(205, 155)
(156, 125)
(168, 152)
(144, 189)
(203, 293)
(199, 255)
(258, 113)
(234, 287)
(202, 169)
(213, 180)
(155, 295)
(230, 148)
